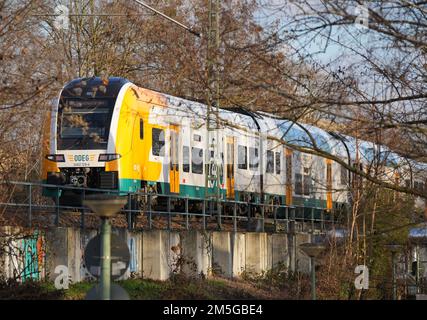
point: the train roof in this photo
(294, 133)
(303, 135)
(89, 87)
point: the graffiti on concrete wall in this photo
(133, 264)
(26, 256)
(34, 254)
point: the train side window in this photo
(253, 158)
(185, 159)
(298, 183)
(270, 162)
(141, 129)
(307, 184)
(197, 160)
(158, 142)
(242, 157)
(278, 162)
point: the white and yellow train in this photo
(112, 134)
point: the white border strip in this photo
(112, 135)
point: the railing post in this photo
(303, 218)
(218, 211)
(150, 225)
(204, 214)
(312, 219)
(186, 214)
(235, 216)
(57, 207)
(275, 217)
(82, 219)
(262, 216)
(333, 218)
(129, 211)
(169, 212)
(287, 218)
(82, 215)
(30, 209)
(322, 221)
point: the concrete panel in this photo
(239, 253)
(85, 236)
(56, 250)
(278, 250)
(222, 261)
(196, 252)
(173, 251)
(160, 251)
(302, 260)
(154, 262)
(75, 254)
(256, 252)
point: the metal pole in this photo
(393, 254)
(313, 278)
(149, 212)
(105, 259)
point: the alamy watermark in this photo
(362, 17)
(362, 280)
(62, 18)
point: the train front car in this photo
(80, 146)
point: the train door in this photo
(230, 168)
(174, 159)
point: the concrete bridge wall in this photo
(155, 254)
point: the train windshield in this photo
(84, 124)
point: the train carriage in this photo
(110, 134)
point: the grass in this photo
(268, 286)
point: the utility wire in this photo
(197, 34)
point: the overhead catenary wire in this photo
(183, 26)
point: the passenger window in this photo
(278, 162)
(141, 129)
(197, 160)
(270, 162)
(298, 183)
(307, 185)
(185, 159)
(253, 158)
(158, 142)
(242, 157)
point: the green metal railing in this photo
(257, 215)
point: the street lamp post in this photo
(393, 248)
(313, 250)
(105, 206)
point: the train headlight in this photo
(56, 157)
(109, 157)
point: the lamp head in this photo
(105, 205)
